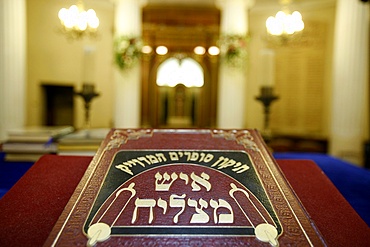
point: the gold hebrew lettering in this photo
(184, 177)
(227, 164)
(194, 156)
(127, 163)
(202, 155)
(133, 162)
(174, 156)
(139, 162)
(162, 204)
(208, 158)
(144, 203)
(152, 159)
(144, 159)
(202, 180)
(239, 168)
(222, 218)
(124, 169)
(160, 157)
(166, 183)
(200, 216)
(221, 160)
(187, 154)
(177, 201)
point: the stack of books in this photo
(84, 142)
(30, 143)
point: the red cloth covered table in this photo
(30, 209)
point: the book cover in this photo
(184, 188)
(34, 147)
(82, 142)
(38, 133)
(26, 157)
(84, 136)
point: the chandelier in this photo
(284, 23)
(76, 22)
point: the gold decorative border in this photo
(120, 137)
(242, 137)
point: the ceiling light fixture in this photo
(284, 23)
(76, 22)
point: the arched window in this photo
(186, 71)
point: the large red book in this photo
(184, 188)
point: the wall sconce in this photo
(161, 50)
(88, 94)
(212, 50)
(200, 50)
(266, 97)
(146, 49)
(76, 22)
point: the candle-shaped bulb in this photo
(267, 67)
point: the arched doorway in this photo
(180, 82)
(185, 102)
(180, 29)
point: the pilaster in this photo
(232, 81)
(350, 80)
(128, 83)
(12, 64)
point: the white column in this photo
(12, 64)
(232, 81)
(350, 79)
(128, 83)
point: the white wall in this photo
(54, 59)
(323, 14)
